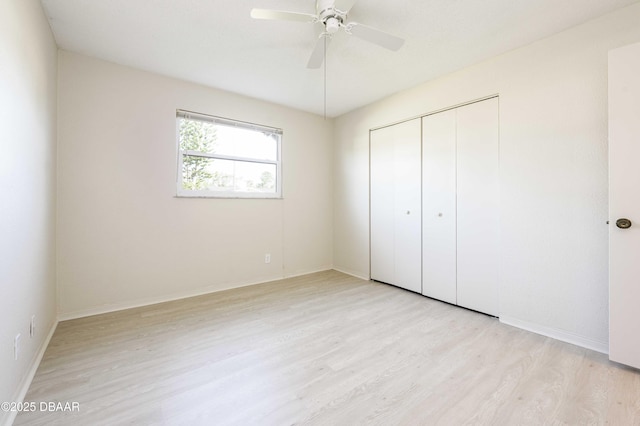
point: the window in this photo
(218, 157)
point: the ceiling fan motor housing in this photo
(329, 15)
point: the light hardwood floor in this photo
(325, 349)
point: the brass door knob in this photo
(623, 223)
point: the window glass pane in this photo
(240, 142)
(197, 135)
(202, 173)
(219, 139)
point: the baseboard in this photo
(26, 381)
(302, 273)
(352, 273)
(104, 309)
(554, 333)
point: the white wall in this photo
(553, 156)
(123, 237)
(28, 56)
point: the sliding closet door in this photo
(439, 206)
(395, 205)
(478, 206)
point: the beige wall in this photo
(27, 188)
(553, 159)
(123, 237)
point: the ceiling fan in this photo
(332, 14)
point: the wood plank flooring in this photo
(323, 349)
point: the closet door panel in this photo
(382, 181)
(408, 258)
(395, 205)
(478, 206)
(439, 206)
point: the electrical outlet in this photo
(267, 258)
(16, 346)
(32, 326)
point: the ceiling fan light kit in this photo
(332, 25)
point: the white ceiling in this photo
(216, 43)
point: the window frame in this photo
(186, 193)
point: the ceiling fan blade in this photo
(344, 5)
(372, 35)
(317, 56)
(282, 15)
